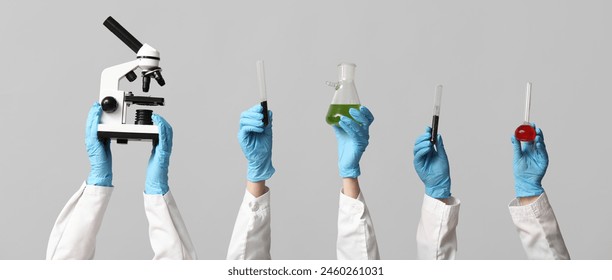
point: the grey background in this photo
(482, 51)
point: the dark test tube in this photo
(122, 34)
(434, 129)
(264, 104)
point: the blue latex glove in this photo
(530, 164)
(157, 171)
(353, 138)
(256, 143)
(432, 165)
(100, 159)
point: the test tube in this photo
(263, 97)
(436, 114)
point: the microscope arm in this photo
(112, 76)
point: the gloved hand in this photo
(100, 160)
(256, 143)
(530, 164)
(432, 165)
(157, 171)
(353, 138)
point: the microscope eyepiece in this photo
(123, 34)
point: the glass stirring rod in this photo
(525, 132)
(436, 114)
(261, 76)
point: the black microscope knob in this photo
(131, 76)
(109, 104)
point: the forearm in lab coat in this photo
(74, 234)
(437, 230)
(251, 236)
(167, 232)
(356, 236)
(538, 229)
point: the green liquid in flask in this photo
(335, 110)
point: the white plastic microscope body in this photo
(147, 59)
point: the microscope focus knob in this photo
(109, 104)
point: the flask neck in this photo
(346, 71)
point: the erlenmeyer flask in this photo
(346, 96)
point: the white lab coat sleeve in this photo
(74, 234)
(356, 236)
(167, 232)
(437, 230)
(538, 229)
(251, 236)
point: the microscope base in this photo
(125, 132)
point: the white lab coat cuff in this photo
(251, 235)
(448, 211)
(538, 229)
(535, 209)
(74, 234)
(256, 204)
(167, 231)
(356, 237)
(352, 206)
(436, 233)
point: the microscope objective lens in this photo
(146, 83)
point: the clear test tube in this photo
(263, 96)
(436, 114)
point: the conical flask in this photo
(345, 96)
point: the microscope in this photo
(114, 102)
